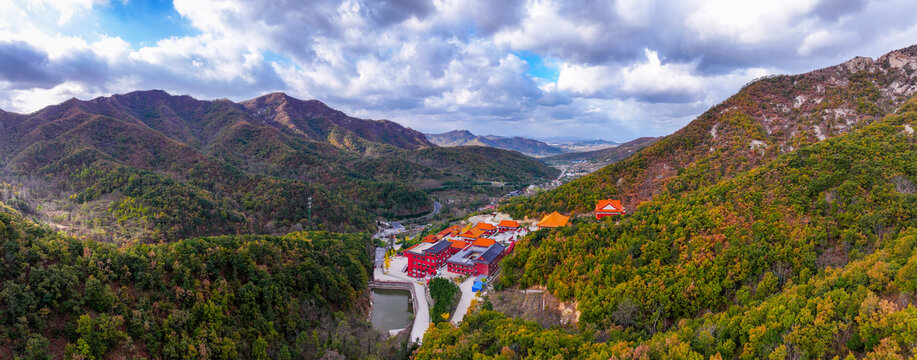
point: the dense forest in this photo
(302, 295)
(808, 256)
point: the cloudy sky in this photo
(540, 68)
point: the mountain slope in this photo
(810, 255)
(766, 118)
(317, 121)
(466, 138)
(233, 168)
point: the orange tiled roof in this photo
(616, 204)
(450, 230)
(485, 226)
(508, 223)
(459, 244)
(553, 220)
(473, 233)
(484, 242)
(429, 238)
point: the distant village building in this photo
(608, 208)
(553, 220)
(425, 258)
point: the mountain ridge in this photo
(516, 143)
(171, 157)
(764, 119)
(604, 156)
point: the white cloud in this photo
(545, 28)
(824, 39)
(625, 68)
(66, 8)
(38, 98)
(585, 80)
(747, 21)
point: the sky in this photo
(614, 70)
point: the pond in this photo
(392, 309)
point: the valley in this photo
(132, 167)
(776, 220)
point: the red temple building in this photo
(608, 208)
(476, 259)
(507, 225)
(472, 234)
(488, 229)
(425, 258)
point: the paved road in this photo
(465, 301)
(380, 257)
(436, 207)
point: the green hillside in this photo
(302, 295)
(807, 256)
(150, 166)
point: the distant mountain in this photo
(465, 138)
(604, 156)
(765, 119)
(148, 165)
(582, 145)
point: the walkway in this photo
(465, 302)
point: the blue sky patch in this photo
(143, 23)
(538, 68)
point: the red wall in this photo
(434, 261)
(599, 215)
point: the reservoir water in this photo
(391, 309)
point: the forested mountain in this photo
(604, 156)
(317, 121)
(466, 138)
(148, 165)
(810, 255)
(302, 295)
(767, 118)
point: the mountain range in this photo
(466, 138)
(140, 165)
